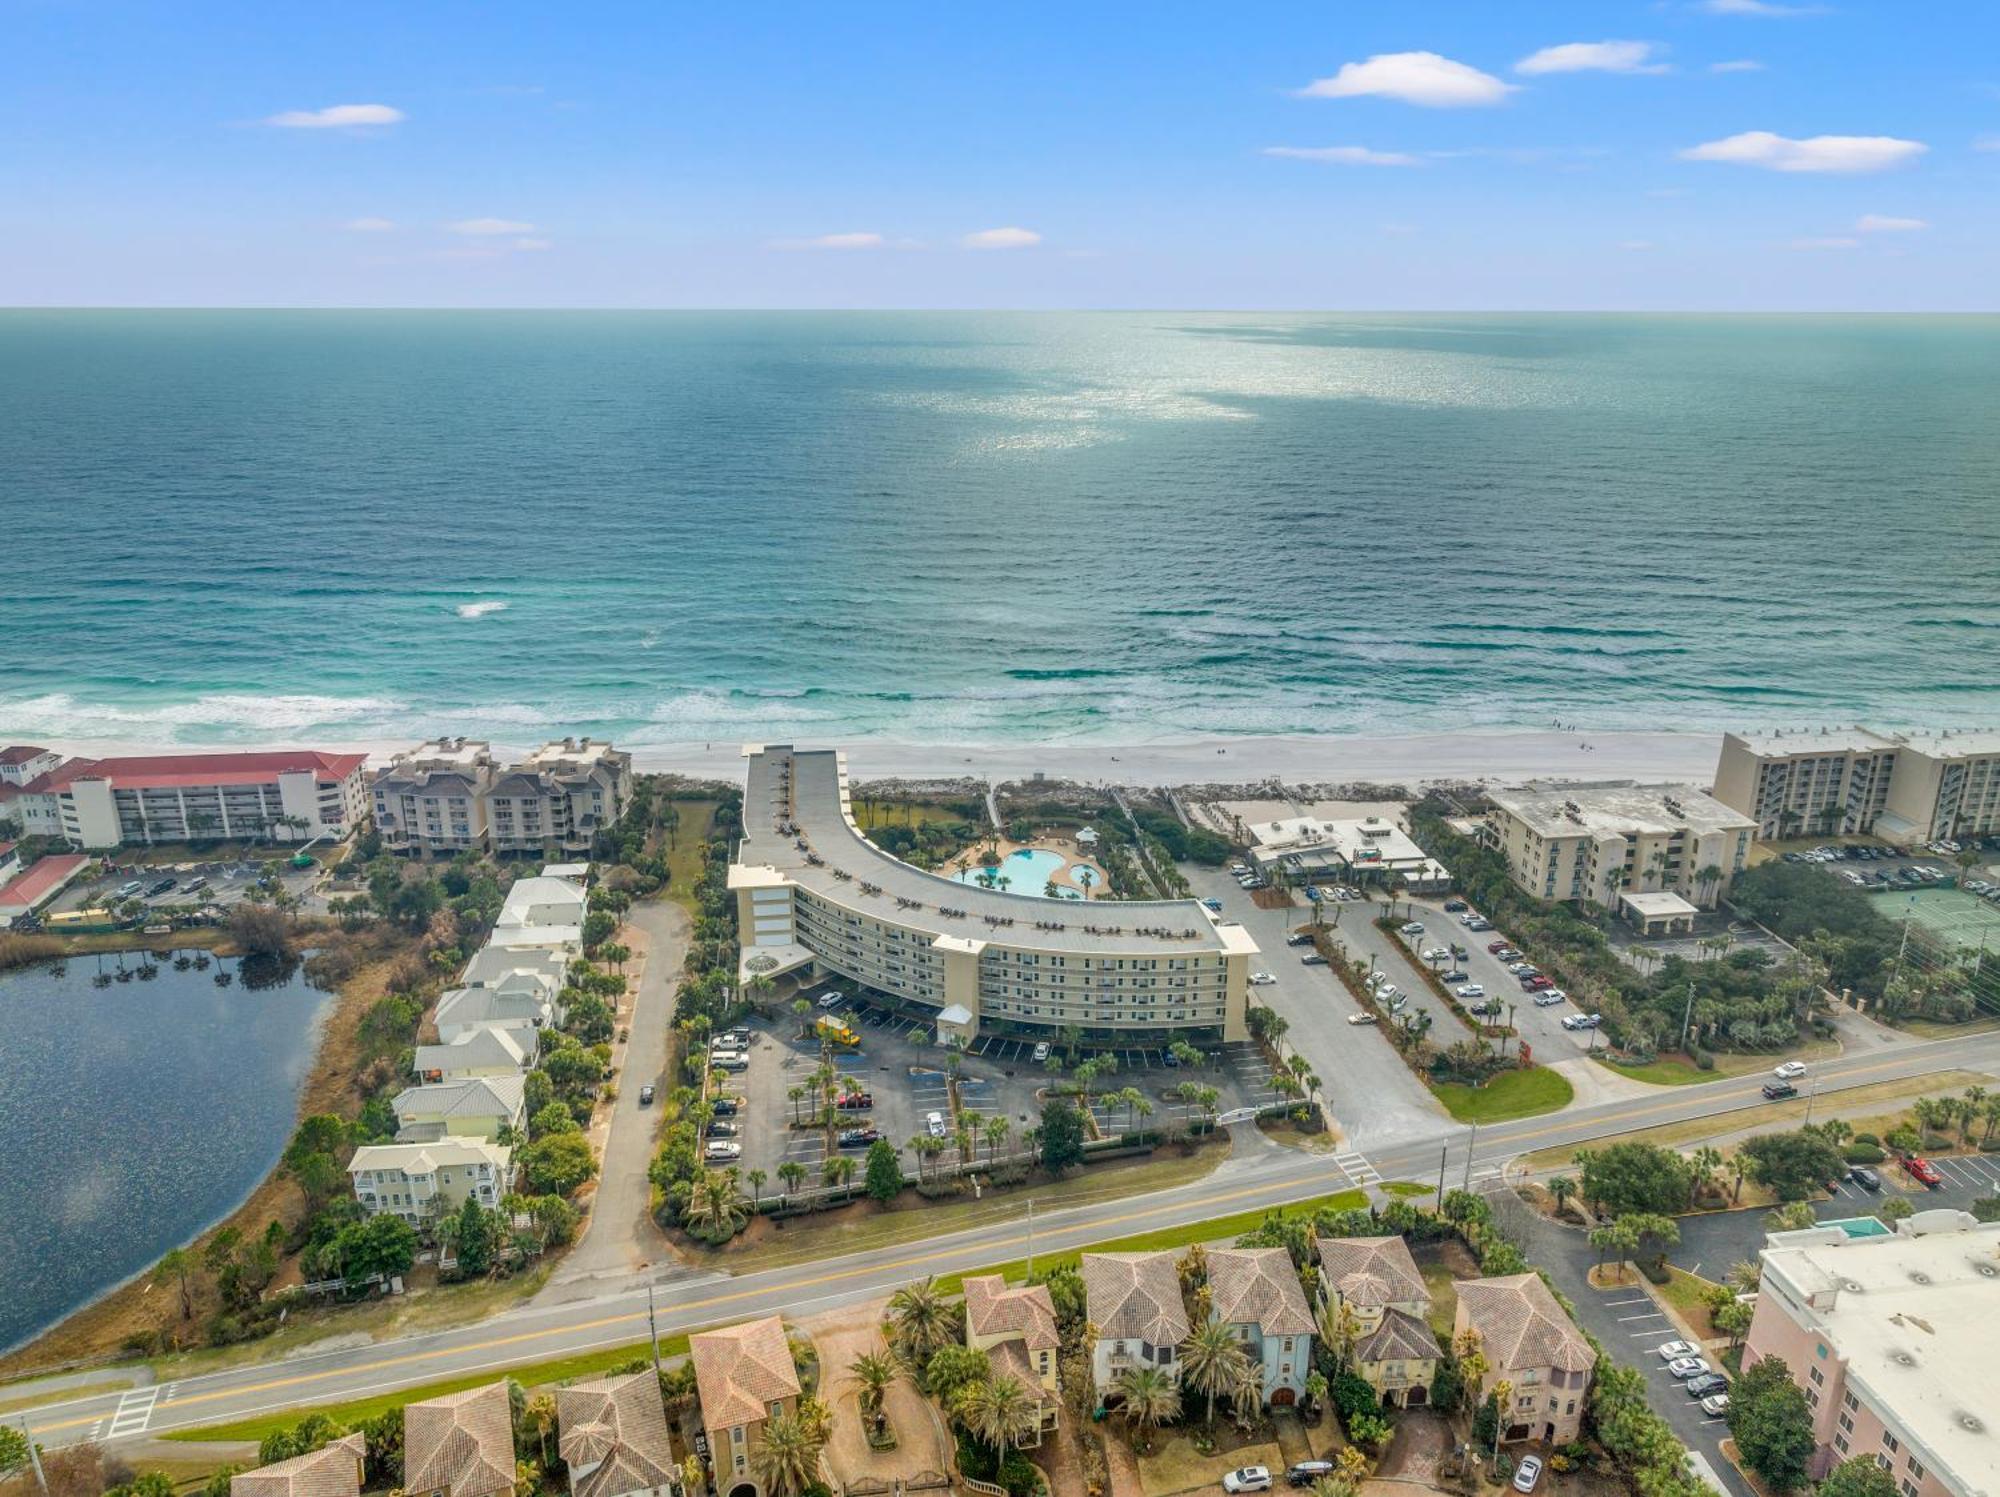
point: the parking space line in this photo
(1649, 1315)
(1613, 1304)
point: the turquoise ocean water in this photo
(987, 527)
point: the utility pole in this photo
(1687, 1016)
(34, 1456)
(1031, 1237)
(653, 1327)
(1812, 1095)
(1470, 1144)
(1443, 1154)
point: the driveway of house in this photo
(621, 1236)
(841, 1337)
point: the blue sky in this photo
(1725, 154)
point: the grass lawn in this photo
(533, 1375)
(684, 855)
(1215, 1228)
(870, 814)
(1511, 1094)
(1683, 1291)
(1176, 1466)
(1406, 1188)
(1443, 1285)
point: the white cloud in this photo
(842, 242)
(1592, 57)
(1828, 243)
(1008, 238)
(489, 227)
(1342, 155)
(1757, 8)
(1881, 223)
(368, 225)
(1819, 153)
(1737, 65)
(338, 117)
(1414, 77)
(533, 244)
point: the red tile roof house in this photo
(288, 795)
(28, 892)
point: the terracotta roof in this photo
(162, 771)
(1010, 1359)
(1026, 1311)
(1522, 1325)
(741, 1371)
(333, 1470)
(20, 753)
(41, 879)
(1401, 1337)
(462, 1443)
(1258, 1286)
(616, 1428)
(1370, 1272)
(1135, 1295)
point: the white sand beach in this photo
(1498, 758)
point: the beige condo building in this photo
(1601, 842)
(1901, 787)
(814, 894)
(452, 795)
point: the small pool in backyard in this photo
(1029, 870)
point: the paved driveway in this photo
(1370, 1091)
(1540, 1027)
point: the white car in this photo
(1527, 1473)
(1375, 980)
(1437, 954)
(1549, 997)
(1472, 990)
(1715, 1405)
(1259, 979)
(934, 1123)
(1248, 1479)
(1687, 1367)
(1361, 1018)
(722, 1148)
(1398, 1002)
(1582, 1021)
(830, 998)
(1041, 1052)
(1791, 1070)
(1388, 992)
(1414, 928)
(1673, 1351)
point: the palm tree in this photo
(715, 1206)
(921, 1318)
(1503, 1400)
(1705, 1161)
(1339, 1329)
(758, 1180)
(1744, 1277)
(787, 1462)
(995, 1128)
(1247, 1391)
(871, 1374)
(1150, 1399)
(838, 1171)
(1562, 1188)
(999, 1411)
(1211, 1361)
(791, 1172)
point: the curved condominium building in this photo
(814, 894)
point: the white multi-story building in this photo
(1598, 842)
(451, 795)
(1887, 1335)
(1903, 787)
(814, 893)
(285, 795)
(424, 1181)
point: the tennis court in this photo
(1952, 913)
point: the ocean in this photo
(674, 528)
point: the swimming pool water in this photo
(1027, 871)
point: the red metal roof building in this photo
(287, 795)
(31, 890)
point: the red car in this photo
(1496, 947)
(1539, 983)
(1924, 1170)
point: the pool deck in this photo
(1062, 847)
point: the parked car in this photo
(1715, 1405)
(1413, 928)
(1548, 998)
(1453, 906)
(1312, 959)
(934, 1124)
(1540, 983)
(1673, 1351)
(1863, 1176)
(1305, 1473)
(1214, 905)
(1582, 1021)
(1527, 1473)
(1456, 977)
(725, 1107)
(1363, 1018)
(161, 886)
(1775, 1091)
(855, 1102)
(1479, 922)
(1687, 1367)
(1041, 1052)
(858, 1138)
(1924, 1170)
(831, 998)
(1496, 947)
(1472, 990)
(1707, 1384)
(1790, 1070)
(1261, 979)
(1247, 1479)
(1438, 954)
(722, 1129)
(646, 1095)
(722, 1148)
(729, 1060)
(127, 891)
(1299, 938)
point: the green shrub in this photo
(1866, 1138)
(1859, 1153)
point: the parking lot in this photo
(1541, 1027)
(223, 885)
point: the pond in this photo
(136, 1112)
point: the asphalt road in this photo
(616, 1312)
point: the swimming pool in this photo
(1027, 871)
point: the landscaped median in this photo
(1509, 1095)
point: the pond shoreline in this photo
(96, 1332)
